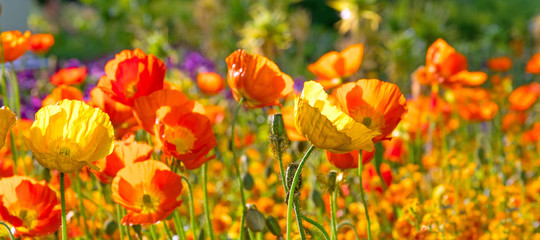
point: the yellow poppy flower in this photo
(326, 126)
(7, 120)
(70, 135)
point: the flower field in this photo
(375, 129)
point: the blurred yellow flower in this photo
(70, 135)
(7, 120)
(326, 126)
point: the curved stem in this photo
(167, 229)
(206, 205)
(291, 191)
(63, 202)
(362, 196)
(317, 225)
(299, 219)
(191, 208)
(237, 169)
(333, 200)
(8, 229)
(351, 226)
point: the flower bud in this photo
(273, 226)
(248, 181)
(254, 219)
(332, 176)
(110, 227)
(278, 127)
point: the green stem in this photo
(206, 205)
(317, 225)
(153, 231)
(8, 229)
(179, 226)
(362, 196)
(2, 77)
(167, 229)
(299, 219)
(333, 199)
(291, 190)
(81, 205)
(281, 170)
(237, 169)
(119, 221)
(128, 231)
(191, 208)
(63, 202)
(351, 226)
(15, 89)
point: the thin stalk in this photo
(317, 225)
(63, 202)
(167, 229)
(15, 88)
(81, 205)
(191, 208)
(333, 218)
(299, 219)
(119, 221)
(237, 169)
(362, 196)
(8, 229)
(291, 190)
(153, 231)
(128, 231)
(281, 170)
(351, 226)
(179, 226)
(206, 205)
(2, 77)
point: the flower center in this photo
(28, 217)
(66, 149)
(181, 137)
(368, 116)
(131, 89)
(149, 203)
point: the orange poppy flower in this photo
(523, 97)
(148, 190)
(6, 168)
(499, 64)
(30, 207)
(210, 83)
(337, 65)
(474, 104)
(125, 153)
(371, 180)
(215, 113)
(15, 44)
(256, 79)
(146, 108)
(288, 120)
(132, 74)
(121, 115)
(513, 120)
(60, 93)
(41, 43)
(446, 66)
(349, 160)
(69, 76)
(533, 65)
(376, 104)
(532, 135)
(188, 136)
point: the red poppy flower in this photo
(523, 97)
(371, 180)
(395, 149)
(210, 83)
(499, 64)
(148, 190)
(125, 153)
(29, 206)
(146, 108)
(14, 44)
(349, 160)
(256, 79)
(121, 115)
(186, 135)
(69, 76)
(474, 104)
(376, 104)
(60, 93)
(132, 74)
(41, 43)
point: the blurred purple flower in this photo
(29, 107)
(194, 63)
(26, 79)
(72, 63)
(299, 84)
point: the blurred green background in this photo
(294, 33)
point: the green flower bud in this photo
(273, 225)
(254, 219)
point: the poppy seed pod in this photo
(278, 127)
(273, 226)
(254, 219)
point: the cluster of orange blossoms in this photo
(431, 170)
